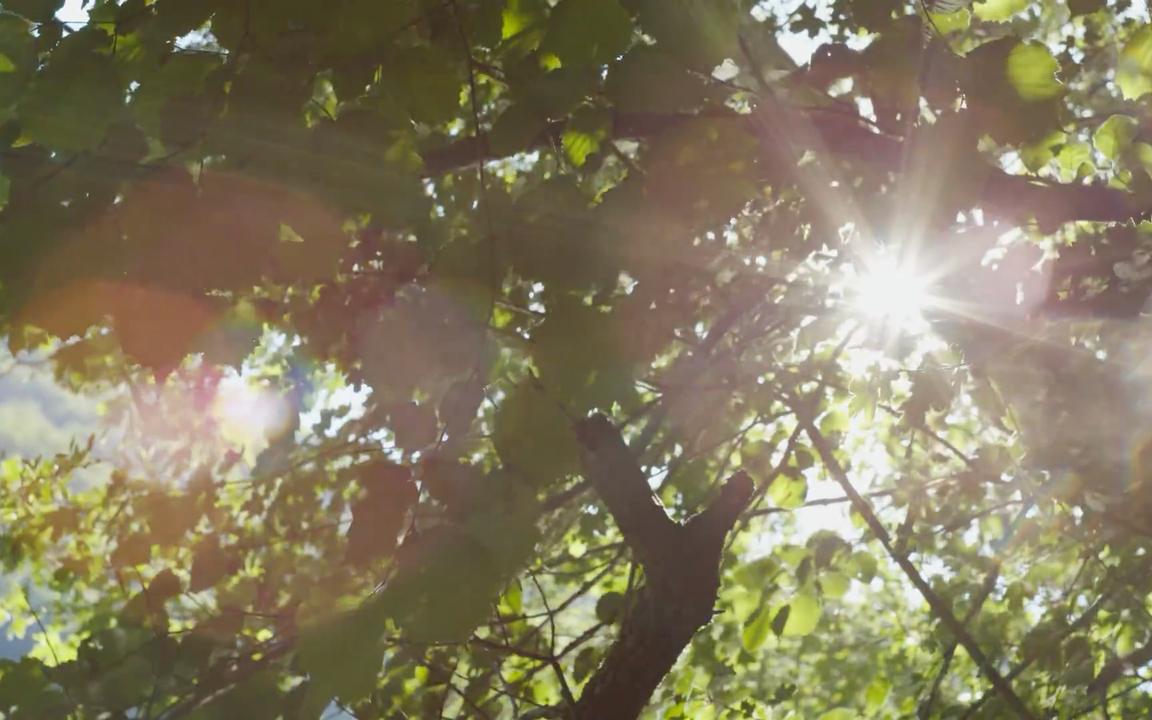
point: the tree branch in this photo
(939, 608)
(1114, 670)
(681, 573)
(623, 486)
(1014, 198)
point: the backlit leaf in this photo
(998, 10)
(803, 617)
(788, 492)
(1032, 71)
(1134, 67)
(756, 628)
(1115, 135)
(877, 693)
(834, 584)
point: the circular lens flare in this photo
(248, 413)
(892, 292)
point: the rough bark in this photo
(681, 574)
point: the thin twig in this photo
(939, 608)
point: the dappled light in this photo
(582, 359)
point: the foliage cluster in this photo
(431, 236)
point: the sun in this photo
(891, 292)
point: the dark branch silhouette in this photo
(681, 573)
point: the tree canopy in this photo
(587, 359)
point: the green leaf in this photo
(559, 91)
(588, 32)
(756, 574)
(579, 145)
(840, 714)
(1032, 71)
(516, 130)
(788, 492)
(610, 607)
(649, 79)
(21, 681)
(210, 564)
(513, 597)
(998, 10)
(519, 15)
(424, 82)
(257, 697)
(1115, 136)
(1037, 155)
(38, 11)
(164, 587)
(1086, 7)
(1012, 92)
(6, 64)
(834, 584)
(1134, 68)
(874, 14)
(835, 421)
(366, 24)
(553, 452)
(700, 33)
(780, 620)
(877, 693)
(72, 102)
(756, 628)
(379, 516)
(584, 133)
(134, 550)
(954, 22)
(1071, 158)
(584, 664)
(803, 617)
(464, 568)
(230, 341)
(863, 405)
(414, 427)
(343, 656)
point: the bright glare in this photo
(891, 292)
(248, 413)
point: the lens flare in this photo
(891, 292)
(247, 413)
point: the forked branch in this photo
(681, 564)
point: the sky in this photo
(37, 417)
